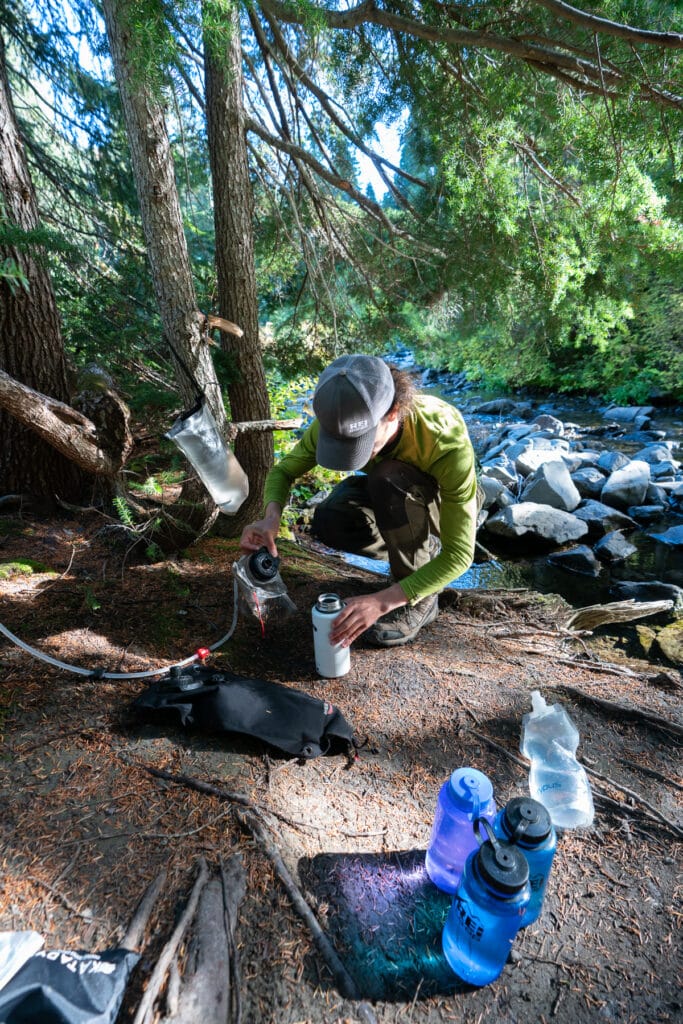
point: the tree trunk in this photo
(31, 347)
(233, 219)
(152, 162)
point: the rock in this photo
(538, 520)
(650, 590)
(627, 486)
(655, 495)
(499, 406)
(549, 423)
(495, 492)
(645, 513)
(589, 481)
(501, 468)
(654, 453)
(614, 547)
(636, 414)
(670, 642)
(579, 559)
(552, 485)
(602, 518)
(530, 460)
(666, 469)
(672, 536)
(646, 637)
(610, 461)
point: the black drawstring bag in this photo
(286, 718)
(62, 987)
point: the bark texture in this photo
(167, 251)
(31, 348)
(233, 220)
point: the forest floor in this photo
(86, 826)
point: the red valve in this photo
(203, 653)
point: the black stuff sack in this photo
(61, 987)
(288, 719)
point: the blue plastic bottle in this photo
(527, 823)
(487, 910)
(464, 797)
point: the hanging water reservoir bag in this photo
(57, 986)
(197, 435)
(288, 719)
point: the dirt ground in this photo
(86, 827)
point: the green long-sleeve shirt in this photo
(434, 438)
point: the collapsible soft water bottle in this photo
(526, 823)
(556, 779)
(487, 910)
(464, 797)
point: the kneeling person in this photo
(415, 503)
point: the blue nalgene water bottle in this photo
(487, 910)
(463, 798)
(527, 823)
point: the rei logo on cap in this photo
(356, 425)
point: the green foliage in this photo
(25, 567)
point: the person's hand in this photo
(262, 532)
(361, 612)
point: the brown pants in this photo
(388, 514)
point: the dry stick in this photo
(60, 896)
(223, 794)
(136, 929)
(650, 771)
(145, 1010)
(658, 816)
(347, 986)
(637, 797)
(656, 721)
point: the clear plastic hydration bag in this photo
(261, 591)
(197, 435)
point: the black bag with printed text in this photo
(62, 987)
(288, 719)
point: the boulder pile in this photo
(560, 486)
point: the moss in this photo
(23, 568)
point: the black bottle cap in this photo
(263, 566)
(526, 821)
(503, 866)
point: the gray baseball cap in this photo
(351, 397)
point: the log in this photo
(617, 611)
(136, 929)
(145, 1011)
(206, 989)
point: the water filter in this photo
(199, 439)
(331, 660)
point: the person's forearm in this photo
(273, 514)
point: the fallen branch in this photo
(345, 983)
(136, 929)
(145, 1011)
(637, 797)
(622, 711)
(222, 794)
(617, 611)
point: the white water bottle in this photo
(556, 779)
(331, 660)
